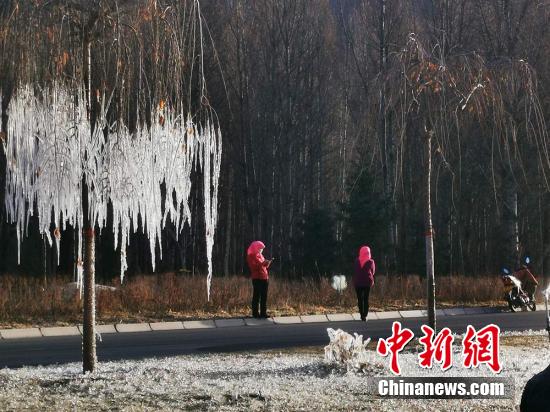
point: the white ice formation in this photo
(347, 350)
(50, 149)
(339, 283)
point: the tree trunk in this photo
(546, 239)
(89, 357)
(44, 262)
(3, 138)
(386, 141)
(510, 219)
(430, 278)
(228, 232)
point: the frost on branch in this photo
(347, 350)
(50, 149)
(43, 156)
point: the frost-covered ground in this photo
(272, 381)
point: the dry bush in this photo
(28, 301)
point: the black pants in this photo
(363, 301)
(259, 295)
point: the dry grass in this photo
(25, 301)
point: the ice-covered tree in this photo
(110, 112)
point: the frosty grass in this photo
(273, 381)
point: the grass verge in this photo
(26, 301)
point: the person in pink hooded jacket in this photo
(363, 280)
(260, 278)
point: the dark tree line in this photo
(328, 110)
(325, 107)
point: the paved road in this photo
(53, 350)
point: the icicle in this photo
(51, 150)
(123, 261)
(57, 236)
(18, 247)
(44, 167)
(211, 162)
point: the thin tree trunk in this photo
(44, 262)
(510, 219)
(3, 138)
(228, 232)
(89, 357)
(450, 230)
(430, 278)
(386, 141)
(546, 238)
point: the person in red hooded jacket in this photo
(363, 280)
(260, 278)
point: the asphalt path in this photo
(16, 353)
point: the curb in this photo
(285, 320)
(340, 317)
(394, 314)
(199, 324)
(20, 333)
(413, 313)
(227, 323)
(60, 331)
(7, 334)
(314, 318)
(132, 327)
(166, 325)
(258, 322)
